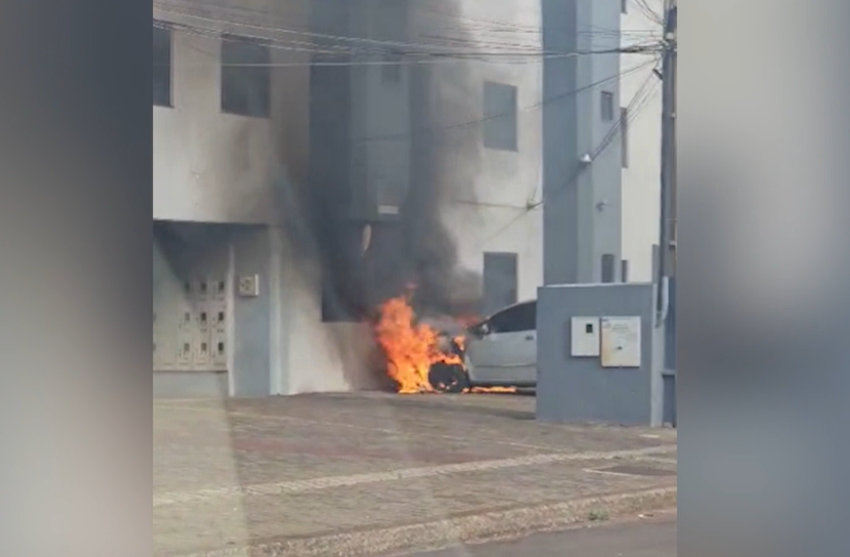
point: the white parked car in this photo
(499, 351)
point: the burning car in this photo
(499, 351)
(442, 354)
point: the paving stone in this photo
(229, 473)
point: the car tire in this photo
(448, 378)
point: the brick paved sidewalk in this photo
(311, 474)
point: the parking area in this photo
(242, 473)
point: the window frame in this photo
(624, 137)
(495, 261)
(490, 120)
(228, 103)
(606, 106)
(162, 27)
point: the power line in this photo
(498, 26)
(648, 12)
(541, 103)
(398, 57)
(638, 102)
(419, 49)
(460, 125)
(421, 53)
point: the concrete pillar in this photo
(581, 157)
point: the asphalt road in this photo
(654, 537)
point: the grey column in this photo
(560, 144)
(582, 209)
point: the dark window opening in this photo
(607, 108)
(245, 77)
(608, 268)
(499, 127)
(624, 136)
(161, 65)
(500, 280)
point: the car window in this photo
(522, 317)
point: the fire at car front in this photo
(423, 353)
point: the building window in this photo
(607, 106)
(608, 268)
(624, 6)
(161, 64)
(245, 77)
(500, 116)
(500, 281)
(624, 136)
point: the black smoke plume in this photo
(415, 248)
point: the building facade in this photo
(259, 105)
(254, 109)
(640, 88)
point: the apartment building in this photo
(253, 110)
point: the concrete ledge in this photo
(497, 525)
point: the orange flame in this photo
(492, 390)
(410, 348)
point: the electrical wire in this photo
(496, 26)
(477, 121)
(432, 53)
(534, 106)
(418, 49)
(648, 12)
(638, 102)
(398, 57)
(392, 60)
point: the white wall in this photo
(641, 180)
(309, 355)
(488, 209)
(215, 167)
(492, 215)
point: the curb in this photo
(430, 536)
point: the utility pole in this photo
(668, 222)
